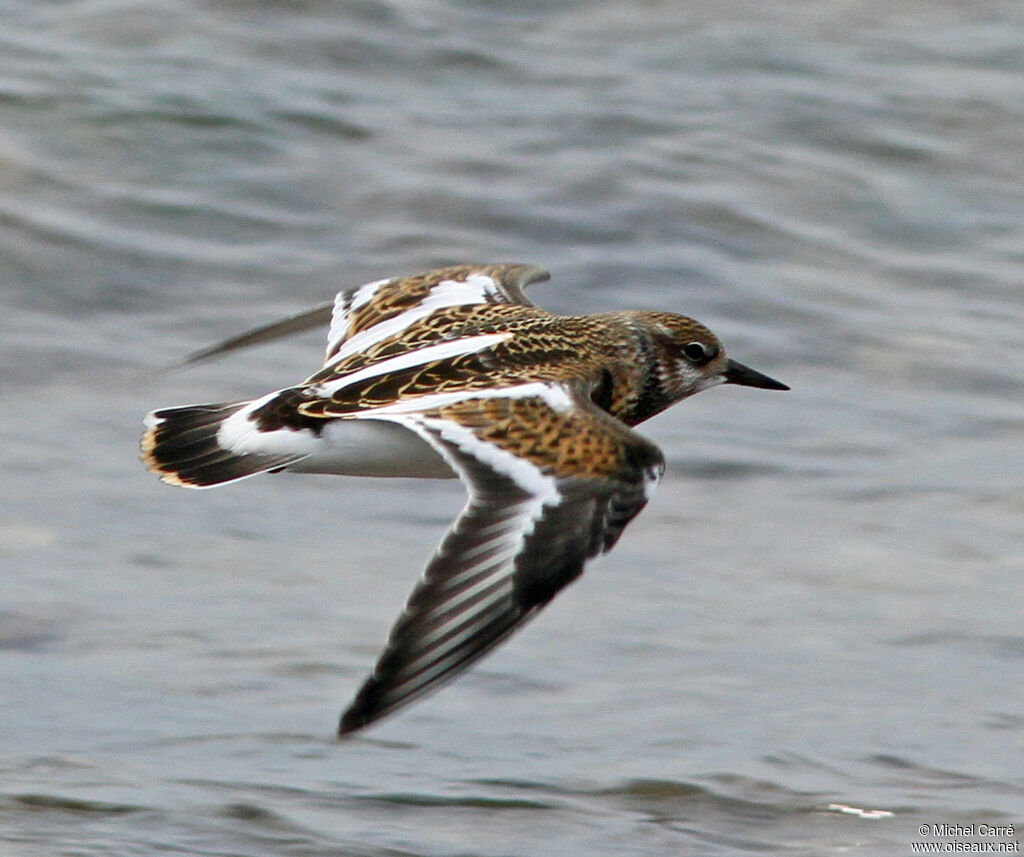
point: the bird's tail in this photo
(183, 446)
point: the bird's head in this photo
(690, 358)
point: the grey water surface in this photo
(822, 609)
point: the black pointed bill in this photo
(737, 373)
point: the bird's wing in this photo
(552, 482)
(298, 323)
(374, 309)
(366, 315)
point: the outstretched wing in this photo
(366, 309)
(551, 484)
(298, 323)
(378, 310)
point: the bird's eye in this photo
(699, 353)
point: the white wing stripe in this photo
(553, 394)
(443, 351)
(475, 289)
(364, 294)
(524, 473)
(344, 303)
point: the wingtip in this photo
(288, 326)
(523, 275)
(352, 720)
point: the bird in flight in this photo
(456, 372)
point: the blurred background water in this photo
(822, 607)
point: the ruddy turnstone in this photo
(456, 372)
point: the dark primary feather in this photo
(487, 578)
(298, 323)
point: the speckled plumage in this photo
(455, 370)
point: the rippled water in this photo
(822, 607)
